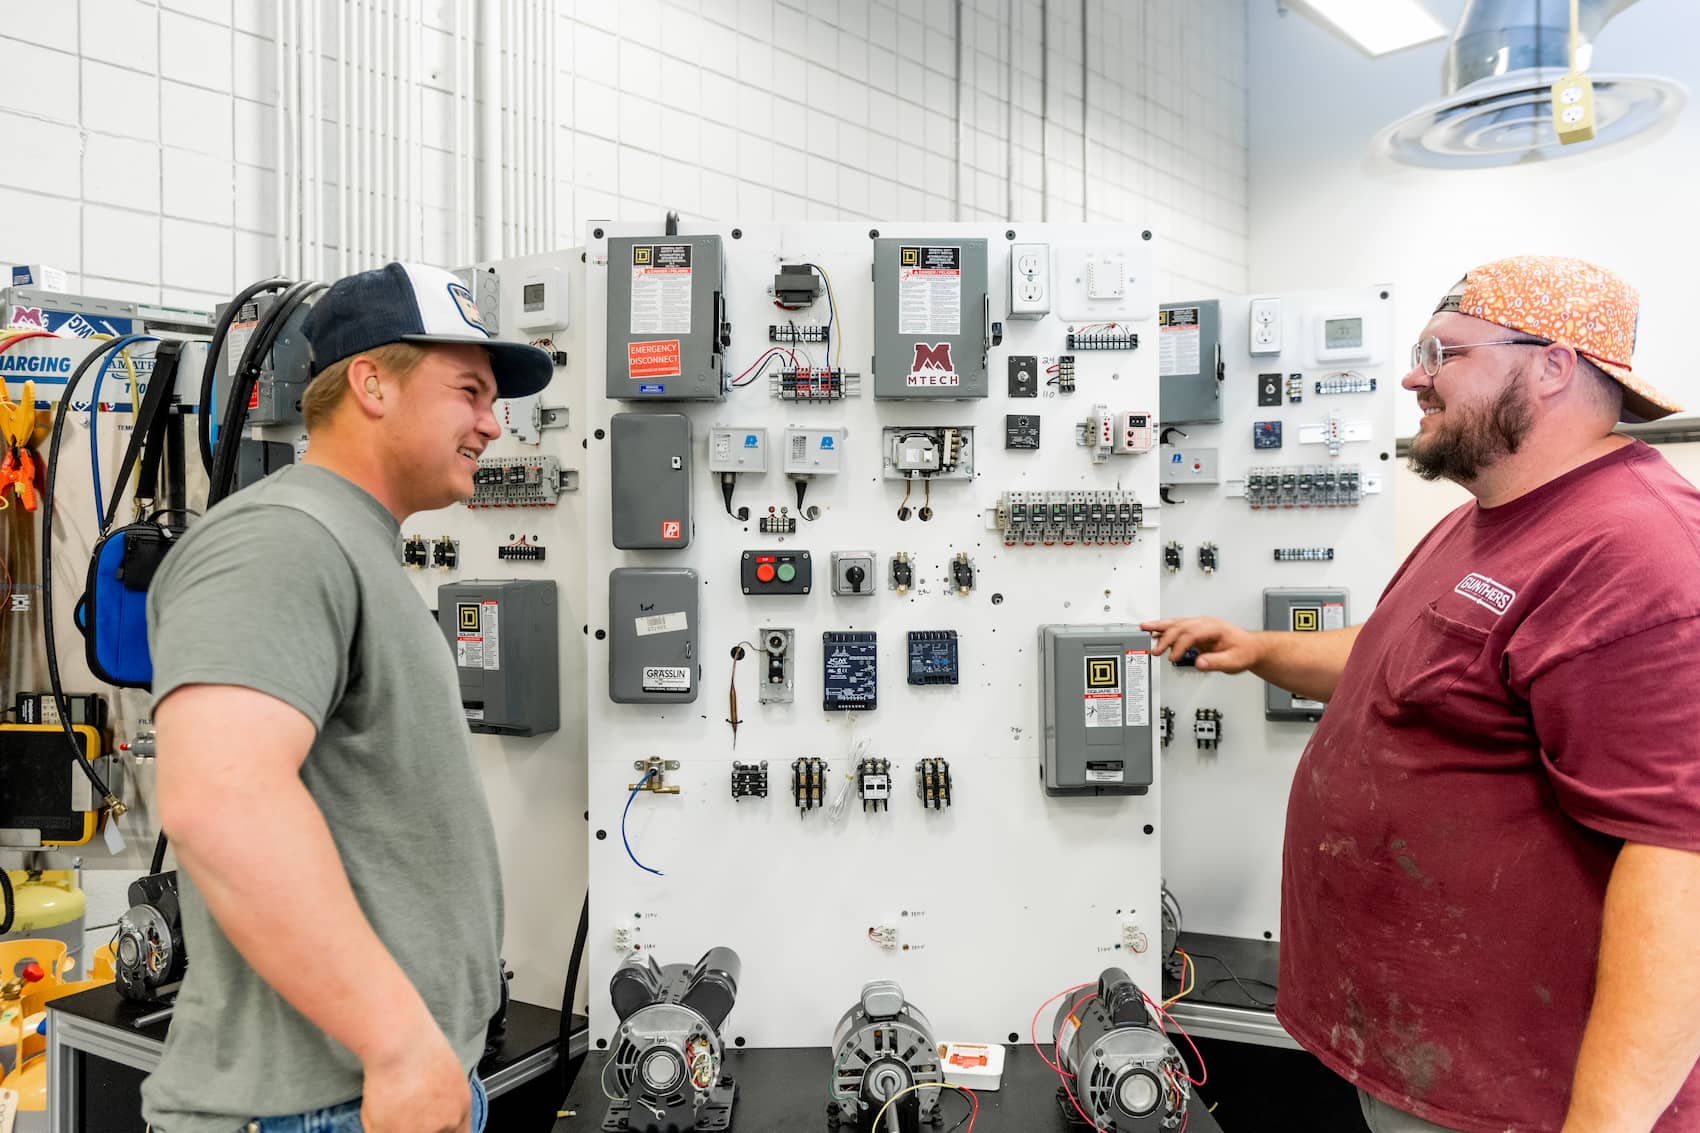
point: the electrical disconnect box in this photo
(649, 459)
(1189, 363)
(1299, 611)
(506, 639)
(667, 329)
(931, 318)
(1095, 701)
(652, 635)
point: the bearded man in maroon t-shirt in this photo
(1490, 902)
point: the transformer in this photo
(1128, 1077)
(881, 1046)
(664, 1074)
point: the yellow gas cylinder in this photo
(48, 904)
(30, 1081)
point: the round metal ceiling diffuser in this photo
(1508, 119)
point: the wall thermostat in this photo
(542, 300)
(1343, 337)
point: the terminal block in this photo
(516, 481)
(1092, 517)
(1304, 485)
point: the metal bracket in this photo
(654, 783)
(548, 416)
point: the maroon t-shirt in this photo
(1525, 698)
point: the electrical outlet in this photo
(1029, 281)
(1573, 108)
(1265, 326)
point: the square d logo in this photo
(1307, 619)
(672, 529)
(909, 257)
(1103, 672)
(642, 255)
(468, 617)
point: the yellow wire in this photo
(1189, 983)
(874, 1128)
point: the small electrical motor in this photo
(1128, 1077)
(664, 1075)
(882, 1046)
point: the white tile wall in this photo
(150, 121)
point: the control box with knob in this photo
(853, 573)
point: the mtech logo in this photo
(932, 366)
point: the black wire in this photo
(1241, 983)
(831, 311)
(54, 682)
(963, 1120)
(7, 899)
(570, 1066)
(158, 862)
(221, 331)
(223, 477)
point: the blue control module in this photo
(932, 657)
(850, 671)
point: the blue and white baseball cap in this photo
(421, 304)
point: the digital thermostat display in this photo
(1340, 334)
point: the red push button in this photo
(764, 572)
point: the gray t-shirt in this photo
(294, 588)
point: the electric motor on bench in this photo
(880, 1047)
(1128, 1077)
(664, 1075)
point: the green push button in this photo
(787, 572)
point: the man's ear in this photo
(366, 386)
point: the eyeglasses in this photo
(1430, 352)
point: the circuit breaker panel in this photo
(1096, 700)
(667, 333)
(836, 662)
(505, 635)
(931, 313)
(1276, 514)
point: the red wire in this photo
(764, 357)
(974, 1114)
(1033, 1031)
(1202, 1069)
(19, 336)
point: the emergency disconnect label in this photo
(653, 359)
(661, 289)
(1102, 695)
(1177, 341)
(666, 678)
(929, 290)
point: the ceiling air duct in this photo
(1497, 81)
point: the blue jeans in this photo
(345, 1118)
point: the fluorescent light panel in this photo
(1378, 26)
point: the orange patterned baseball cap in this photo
(1560, 299)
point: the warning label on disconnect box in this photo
(653, 359)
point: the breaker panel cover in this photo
(666, 332)
(1299, 611)
(506, 639)
(930, 318)
(649, 474)
(652, 635)
(1095, 700)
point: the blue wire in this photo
(125, 343)
(648, 775)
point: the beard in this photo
(1462, 450)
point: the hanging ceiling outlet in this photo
(1497, 81)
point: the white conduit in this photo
(343, 196)
(280, 123)
(490, 130)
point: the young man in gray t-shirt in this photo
(340, 883)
